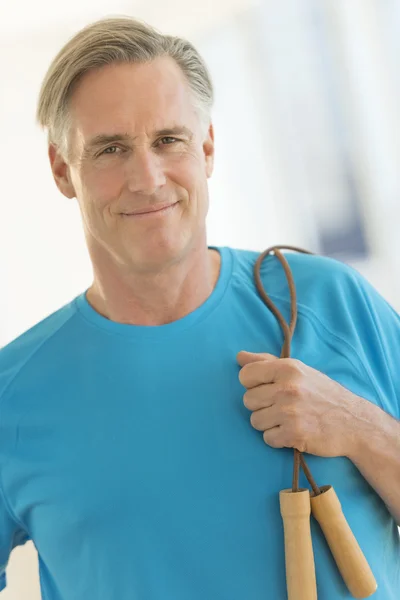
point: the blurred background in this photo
(307, 133)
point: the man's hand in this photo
(297, 406)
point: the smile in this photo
(152, 213)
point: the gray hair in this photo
(115, 40)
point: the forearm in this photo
(375, 450)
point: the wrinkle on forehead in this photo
(131, 99)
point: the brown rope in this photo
(288, 331)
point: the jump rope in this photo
(297, 504)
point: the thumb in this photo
(243, 357)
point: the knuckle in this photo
(249, 400)
(300, 445)
(296, 363)
(243, 375)
(271, 440)
(254, 420)
(292, 389)
(293, 367)
(289, 362)
(297, 435)
(291, 409)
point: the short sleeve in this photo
(354, 316)
(370, 329)
(11, 536)
(377, 325)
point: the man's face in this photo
(137, 144)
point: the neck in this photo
(160, 298)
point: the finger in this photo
(261, 396)
(274, 437)
(259, 372)
(266, 418)
(243, 357)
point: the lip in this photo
(152, 211)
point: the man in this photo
(148, 426)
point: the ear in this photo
(61, 172)
(208, 149)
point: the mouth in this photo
(153, 212)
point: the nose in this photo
(145, 172)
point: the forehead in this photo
(131, 97)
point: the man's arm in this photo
(375, 450)
(297, 406)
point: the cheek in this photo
(102, 182)
(195, 197)
(100, 189)
(189, 175)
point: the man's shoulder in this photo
(311, 272)
(328, 291)
(17, 353)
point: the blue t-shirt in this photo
(127, 455)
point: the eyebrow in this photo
(103, 138)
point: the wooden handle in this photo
(349, 558)
(299, 556)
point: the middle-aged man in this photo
(147, 426)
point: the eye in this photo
(109, 150)
(169, 138)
